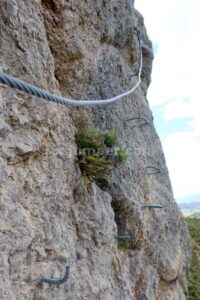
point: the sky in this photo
(174, 94)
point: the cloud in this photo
(182, 154)
(175, 88)
(174, 25)
(184, 108)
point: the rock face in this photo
(85, 50)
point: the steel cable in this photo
(41, 93)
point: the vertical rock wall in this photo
(82, 49)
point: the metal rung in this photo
(127, 237)
(144, 123)
(56, 281)
(152, 206)
(157, 170)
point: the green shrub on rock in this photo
(96, 153)
(110, 138)
(122, 155)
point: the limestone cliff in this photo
(85, 50)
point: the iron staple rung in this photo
(56, 281)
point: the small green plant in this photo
(89, 139)
(110, 138)
(123, 245)
(122, 156)
(81, 121)
(95, 167)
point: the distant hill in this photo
(190, 209)
(190, 205)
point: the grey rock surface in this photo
(82, 49)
